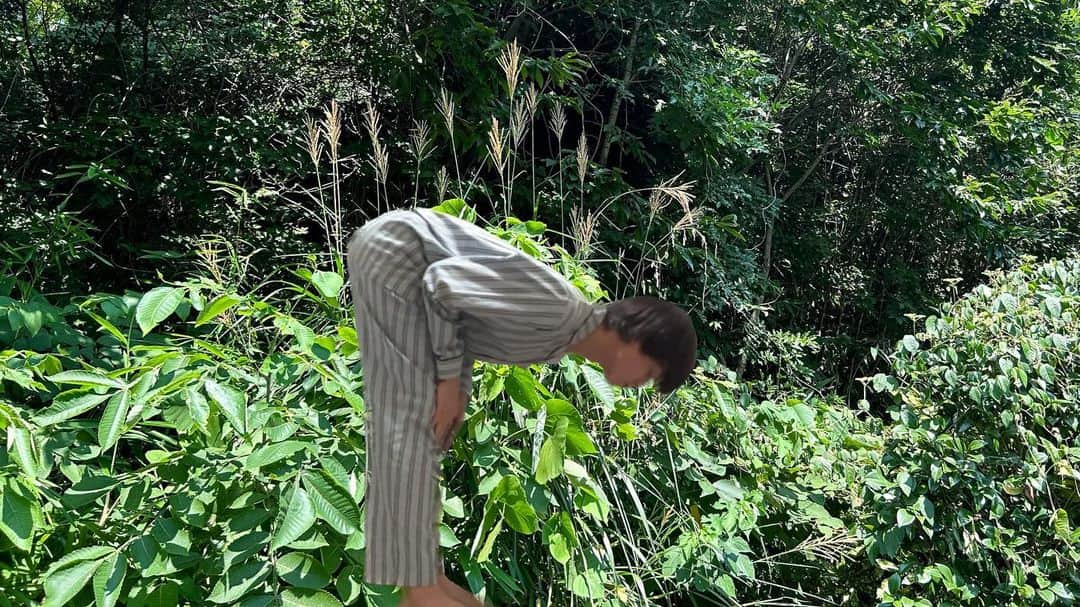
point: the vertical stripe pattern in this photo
(432, 294)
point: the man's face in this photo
(630, 368)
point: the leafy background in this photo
(868, 208)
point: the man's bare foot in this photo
(427, 596)
(458, 593)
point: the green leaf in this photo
(156, 305)
(1061, 526)
(264, 456)
(552, 454)
(599, 386)
(302, 571)
(198, 408)
(904, 517)
(727, 585)
(587, 584)
(489, 543)
(522, 389)
(350, 583)
(910, 343)
(89, 488)
(294, 597)
(16, 516)
(728, 489)
(108, 326)
(216, 308)
(328, 283)
(927, 509)
(112, 420)
(238, 581)
(516, 509)
(109, 579)
(299, 517)
(333, 503)
(67, 405)
(1053, 306)
(560, 537)
(63, 584)
(85, 378)
(25, 451)
(233, 403)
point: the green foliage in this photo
(976, 501)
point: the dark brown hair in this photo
(664, 332)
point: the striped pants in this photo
(403, 500)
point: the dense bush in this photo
(978, 497)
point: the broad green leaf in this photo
(67, 405)
(910, 343)
(727, 585)
(552, 454)
(298, 597)
(927, 509)
(89, 488)
(328, 283)
(16, 516)
(560, 537)
(85, 378)
(489, 543)
(269, 454)
(86, 553)
(233, 403)
(173, 538)
(238, 581)
(163, 594)
(198, 408)
(108, 326)
(302, 571)
(109, 580)
(25, 451)
(593, 502)
(156, 305)
(728, 489)
(515, 506)
(587, 584)
(63, 584)
(1061, 526)
(904, 517)
(599, 386)
(350, 583)
(522, 389)
(112, 420)
(299, 517)
(216, 308)
(1053, 306)
(332, 503)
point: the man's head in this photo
(658, 343)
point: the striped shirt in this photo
(485, 299)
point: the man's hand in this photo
(449, 413)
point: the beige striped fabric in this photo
(432, 294)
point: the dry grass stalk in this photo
(680, 193)
(442, 182)
(445, 105)
(314, 146)
(558, 122)
(532, 99)
(420, 140)
(510, 62)
(332, 128)
(496, 147)
(518, 121)
(582, 158)
(584, 228)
